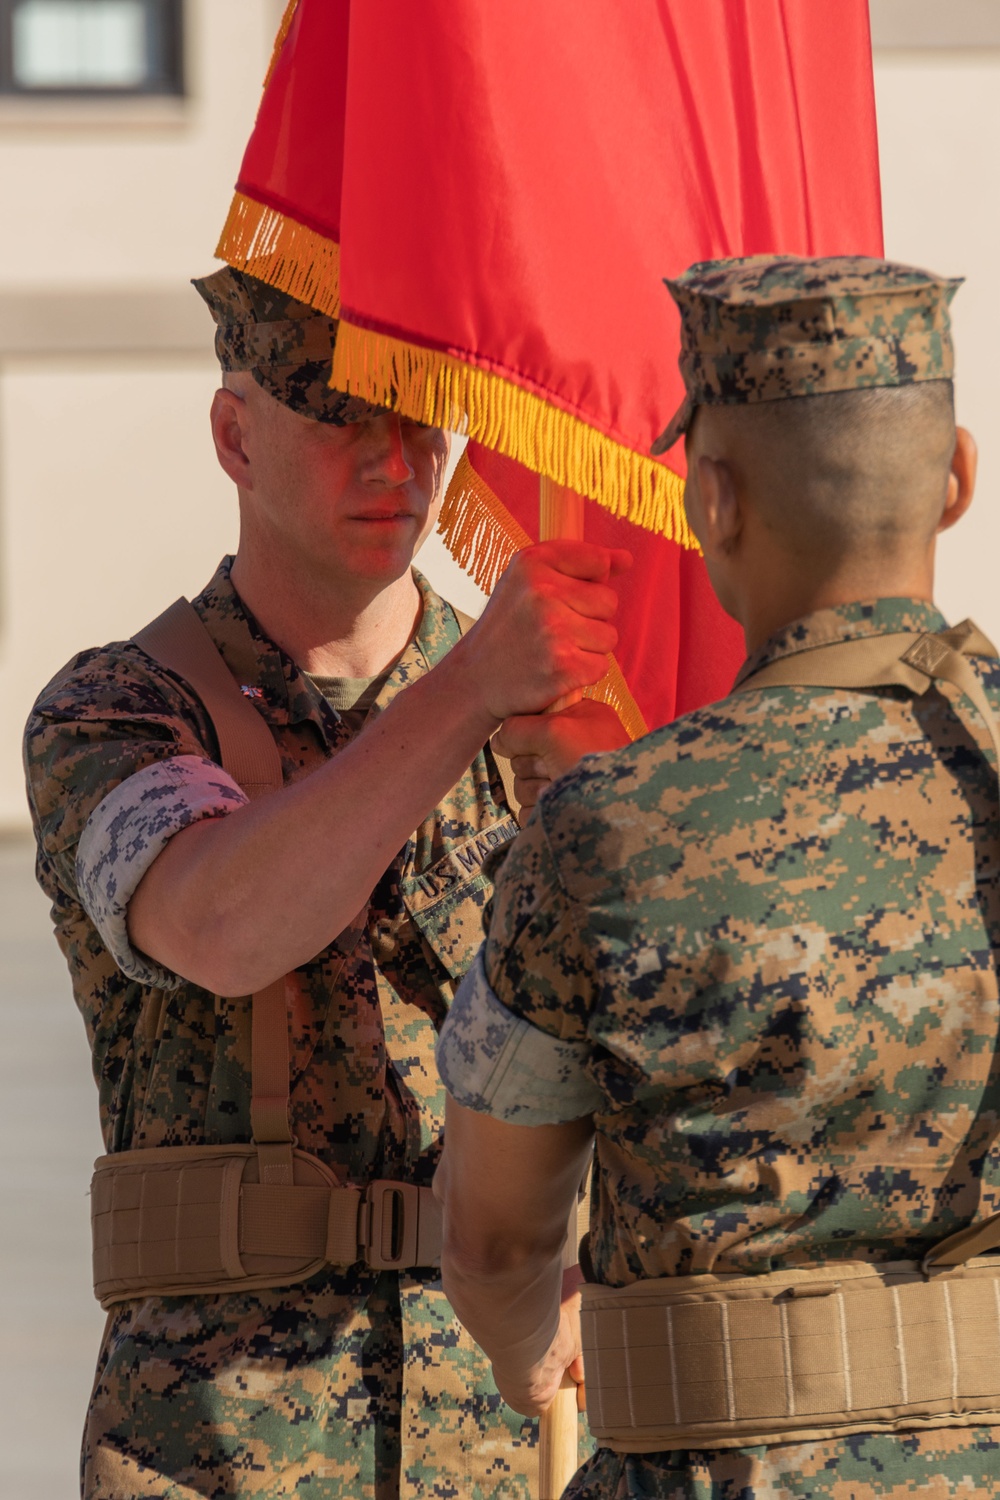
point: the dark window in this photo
(77, 48)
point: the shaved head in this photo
(842, 473)
(237, 381)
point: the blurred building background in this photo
(122, 125)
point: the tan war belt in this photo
(810, 1352)
(171, 1220)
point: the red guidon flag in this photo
(489, 196)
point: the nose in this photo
(390, 464)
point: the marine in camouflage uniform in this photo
(357, 1383)
(759, 947)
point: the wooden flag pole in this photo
(558, 1428)
(560, 514)
(560, 511)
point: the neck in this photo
(775, 596)
(328, 625)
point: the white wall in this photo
(939, 143)
(114, 506)
(113, 194)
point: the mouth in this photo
(383, 517)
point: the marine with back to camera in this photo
(753, 957)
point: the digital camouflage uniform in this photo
(760, 946)
(357, 1384)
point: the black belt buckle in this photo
(393, 1225)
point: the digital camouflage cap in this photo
(768, 327)
(285, 344)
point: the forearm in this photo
(504, 1231)
(513, 1314)
(235, 902)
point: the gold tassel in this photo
(283, 29)
(446, 392)
(478, 529)
(482, 536)
(284, 253)
(613, 690)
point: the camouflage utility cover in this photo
(285, 344)
(767, 327)
(760, 946)
(356, 1385)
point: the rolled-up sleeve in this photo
(128, 830)
(515, 1043)
(498, 1064)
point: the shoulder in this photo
(611, 807)
(108, 713)
(116, 680)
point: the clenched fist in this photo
(547, 630)
(543, 747)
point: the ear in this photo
(721, 514)
(961, 480)
(228, 418)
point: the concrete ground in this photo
(50, 1325)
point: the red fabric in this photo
(294, 158)
(678, 649)
(519, 177)
(511, 182)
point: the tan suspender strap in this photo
(185, 1220)
(269, 1070)
(465, 624)
(179, 641)
(902, 659)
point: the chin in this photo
(376, 565)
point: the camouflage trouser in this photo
(946, 1464)
(304, 1392)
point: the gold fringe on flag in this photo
(482, 536)
(478, 529)
(443, 391)
(279, 250)
(613, 690)
(284, 26)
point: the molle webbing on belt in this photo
(179, 1220)
(806, 1353)
(176, 1220)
